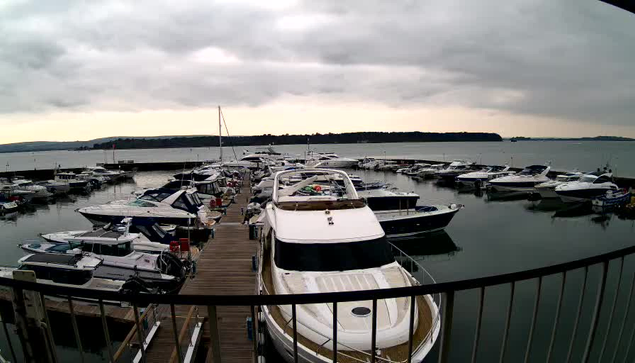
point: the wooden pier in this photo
(224, 267)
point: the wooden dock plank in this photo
(223, 268)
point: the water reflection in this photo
(434, 244)
(505, 196)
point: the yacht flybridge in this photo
(319, 236)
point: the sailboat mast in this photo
(220, 135)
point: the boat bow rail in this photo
(594, 339)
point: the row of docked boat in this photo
(17, 191)
(572, 187)
(141, 244)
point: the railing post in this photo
(104, 324)
(49, 332)
(507, 322)
(254, 332)
(411, 325)
(78, 339)
(139, 332)
(373, 338)
(479, 319)
(556, 319)
(626, 314)
(533, 320)
(579, 314)
(617, 294)
(294, 319)
(213, 333)
(446, 326)
(596, 313)
(179, 353)
(335, 325)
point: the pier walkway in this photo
(223, 268)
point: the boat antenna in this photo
(227, 130)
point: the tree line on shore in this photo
(267, 139)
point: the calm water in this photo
(564, 155)
(487, 237)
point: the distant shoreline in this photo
(164, 142)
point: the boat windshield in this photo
(588, 178)
(333, 256)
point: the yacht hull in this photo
(399, 224)
(580, 195)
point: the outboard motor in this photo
(136, 285)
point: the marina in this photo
(482, 228)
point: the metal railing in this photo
(592, 341)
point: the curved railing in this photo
(447, 289)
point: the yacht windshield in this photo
(588, 178)
(333, 256)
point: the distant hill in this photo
(343, 138)
(596, 138)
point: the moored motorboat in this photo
(548, 188)
(331, 241)
(478, 179)
(453, 170)
(588, 187)
(73, 271)
(416, 221)
(522, 182)
(182, 208)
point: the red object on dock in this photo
(184, 244)
(174, 246)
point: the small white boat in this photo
(75, 182)
(388, 199)
(8, 207)
(612, 198)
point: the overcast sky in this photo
(75, 70)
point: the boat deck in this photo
(223, 267)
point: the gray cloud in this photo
(567, 59)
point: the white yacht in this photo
(55, 187)
(413, 170)
(39, 192)
(453, 170)
(111, 176)
(548, 188)
(330, 241)
(588, 187)
(524, 181)
(429, 172)
(330, 160)
(75, 182)
(182, 208)
(144, 237)
(479, 178)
